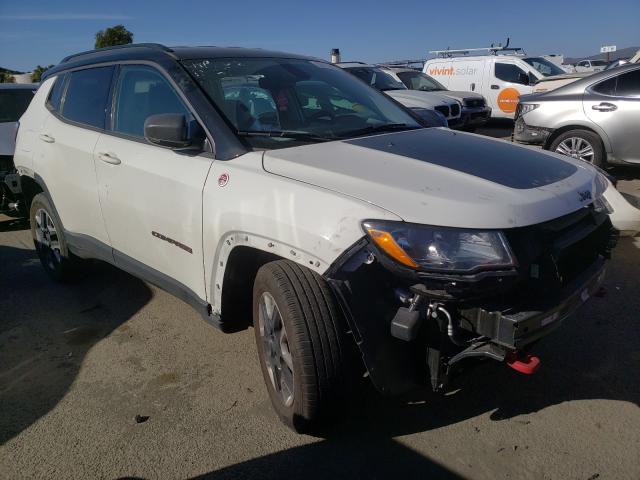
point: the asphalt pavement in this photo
(110, 377)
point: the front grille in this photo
(455, 110)
(474, 102)
(551, 255)
(443, 109)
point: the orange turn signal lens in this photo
(386, 242)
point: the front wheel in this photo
(300, 335)
(581, 144)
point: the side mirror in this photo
(523, 78)
(171, 130)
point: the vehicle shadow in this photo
(382, 458)
(46, 330)
(625, 173)
(14, 224)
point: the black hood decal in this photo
(498, 162)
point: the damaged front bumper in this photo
(528, 134)
(414, 329)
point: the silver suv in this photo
(596, 119)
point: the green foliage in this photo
(117, 35)
(6, 77)
(38, 71)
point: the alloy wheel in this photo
(576, 147)
(47, 239)
(275, 346)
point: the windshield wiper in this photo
(294, 134)
(389, 127)
(388, 89)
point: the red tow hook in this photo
(526, 364)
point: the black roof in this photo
(158, 52)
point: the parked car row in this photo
(283, 191)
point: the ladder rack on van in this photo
(493, 50)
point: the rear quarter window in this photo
(55, 95)
(85, 100)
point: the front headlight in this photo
(527, 107)
(429, 248)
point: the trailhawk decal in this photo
(172, 242)
(508, 100)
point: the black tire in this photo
(317, 341)
(598, 158)
(58, 262)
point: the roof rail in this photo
(342, 63)
(402, 63)
(493, 50)
(157, 46)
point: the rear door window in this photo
(13, 103)
(142, 91)
(87, 94)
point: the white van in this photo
(501, 76)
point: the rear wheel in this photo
(49, 240)
(301, 339)
(581, 144)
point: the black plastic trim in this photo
(85, 246)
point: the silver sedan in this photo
(596, 118)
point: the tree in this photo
(117, 35)
(6, 77)
(38, 71)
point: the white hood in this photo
(441, 177)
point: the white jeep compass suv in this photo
(279, 190)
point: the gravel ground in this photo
(112, 378)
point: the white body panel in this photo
(154, 189)
(477, 74)
(310, 225)
(626, 216)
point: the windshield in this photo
(420, 81)
(544, 66)
(13, 103)
(376, 78)
(598, 63)
(279, 102)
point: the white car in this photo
(415, 100)
(475, 111)
(590, 66)
(14, 100)
(275, 189)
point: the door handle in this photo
(495, 87)
(604, 107)
(109, 158)
(47, 138)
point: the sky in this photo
(43, 32)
